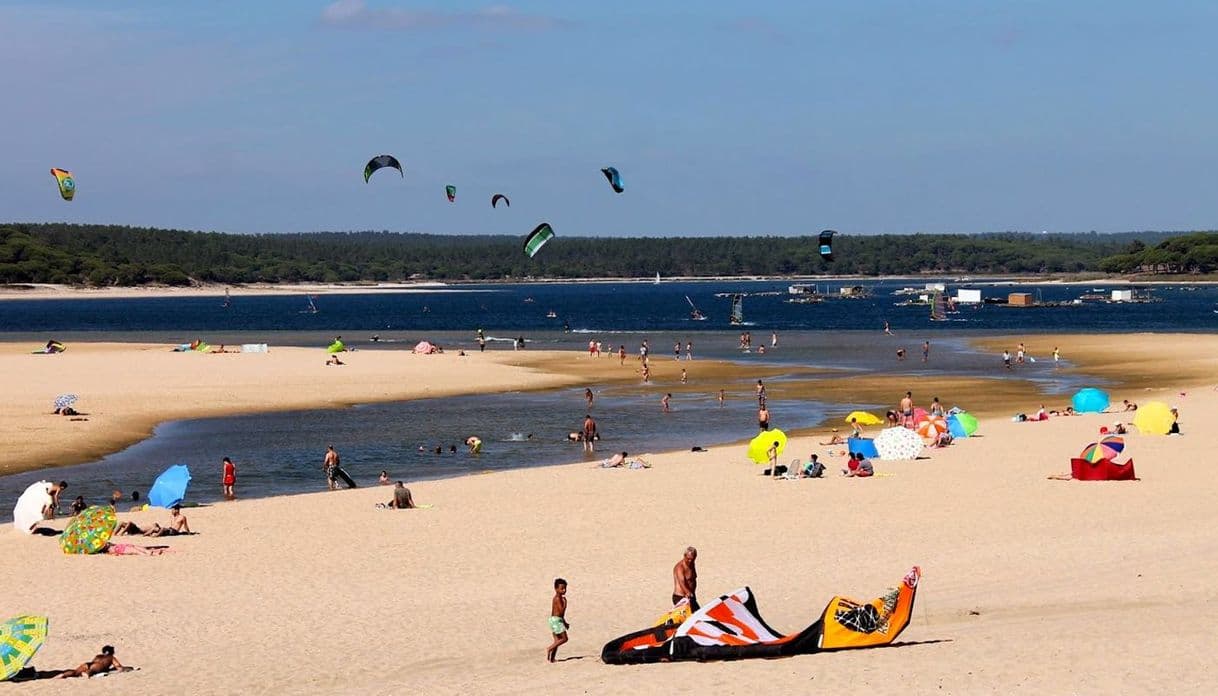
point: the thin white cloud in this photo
(356, 14)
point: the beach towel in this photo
(254, 348)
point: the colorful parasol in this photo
(864, 418)
(20, 638)
(898, 443)
(90, 531)
(1107, 448)
(761, 444)
(931, 428)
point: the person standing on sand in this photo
(676, 351)
(772, 455)
(664, 403)
(684, 377)
(646, 374)
(228, 478)
(906, 410)
(1006, 359)
(558, 618)
(589, 432)
(685, 579)
(689, 350)
(1019, 353)
(621, 355)
(330, 466)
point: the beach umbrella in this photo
(761, 444)
(864, 418)
(1089, 400)
(20, 638)
(1154, 418)
(170, 487)
(89, 531)
(1107, 448)
(28, 510)
(920, 415)
(64, 401)
(898, 443)
(968, 421)
(931, 428)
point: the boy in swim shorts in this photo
(558, 620)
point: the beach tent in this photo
(27, 513)
(898, 443)
(424, 348)
(1102, 470)
(730, 628)
(1154, 418)
(862, 445)
(170, 487)
(1089, 400)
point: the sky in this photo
(725, 118)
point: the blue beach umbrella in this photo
(1089, 400)
(170, 487)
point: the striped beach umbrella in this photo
(20, 638)
(90, 531)
(931, 428)
(1107, 448)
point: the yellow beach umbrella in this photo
(761, 444)
(1153, 418)
(864, 418)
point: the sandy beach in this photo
(1031, 585)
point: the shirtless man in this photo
(402, 500)
(685, 579)
(178, 525)
(101, 663)
(763, 418)
(589, 433)
(906, 410)
(330, 465)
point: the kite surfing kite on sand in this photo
(730, 628)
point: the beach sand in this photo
(1030, 585)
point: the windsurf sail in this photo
(228, 300)
(694, 312)
(737, 315)
(312, 309)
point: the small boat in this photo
(312, 309)
(528, 299)
(551, 314)
(695, 314)
(737, 315)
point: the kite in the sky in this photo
(381, 161)
(826, 245)
(615, 179)
(537, 239)
(730, 628)
(500, 197)
(451, 192)
(67, 185)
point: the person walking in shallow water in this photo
(330, 467)
(228, 478)
(589, 432)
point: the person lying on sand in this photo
(134, 550)
(129, 528)
(103, 662)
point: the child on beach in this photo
(558, 618)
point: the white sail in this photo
(737, 316)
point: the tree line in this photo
(108, 255)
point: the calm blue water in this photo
(597, 307)
(281, 452)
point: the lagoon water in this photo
(280, 453)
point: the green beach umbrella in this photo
(89, 531)
(20, 638)
(967, 421)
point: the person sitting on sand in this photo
(1118, 428)
(1042, 414)
(402, 500)
(813, 469)
(78, 505)
(1129, 405)
(615, 461)
(333, 360)
(100, 664)
(858, 467)
(835, 439)
(1175, 423)
(178, 525)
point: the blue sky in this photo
(782, 117)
